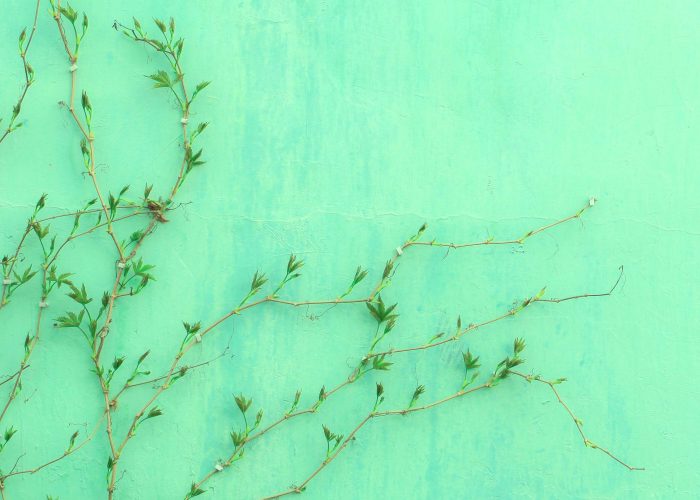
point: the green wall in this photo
(337, 129)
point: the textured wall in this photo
(337, 128)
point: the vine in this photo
(93, 315)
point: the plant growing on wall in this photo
(92, 315)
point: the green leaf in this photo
(294, 264)
(161, 79)
(194, 491)
(117, 363)
(238, 438)
(416, 394)
(242, 403)
(378, 363)
(191, 328)
(9, 432)
(161, 25)
(71, 444)
(200, 86)
(470, 362)
(420, 232)
(360, 274)
(154, 412)
(380, 312)
(79, 295)
(380, 389)
(387, 269)
(259, 280)
(70, 320)
(86, 102)
(69, 13)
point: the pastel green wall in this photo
(337, 128)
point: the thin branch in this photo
(88, 135)
(180, 369)
(11, 377)
(513, 241)
(476, 326)
(29, 345)
(577, 422)
(65, 454)
(587, 295)
(28, 76)
(238, 452)
(302, 486)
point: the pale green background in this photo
(337, 128)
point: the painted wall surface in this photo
(336, 129)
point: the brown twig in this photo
(185, 368)
(29, 346)
(87, 135)
(517, 241)
(579, 425)
(284, 418)
(510, 313)
(11, 377)
(374, 414)
(353, 377)
(28, 75)
(58, 458)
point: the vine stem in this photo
(502, 242)
(25, 66)
(104, 331)
(354, 375)
(587, 442)
(297, 489)
(302, 486)
(35, 339)
(30, 349)
(30, 344)
(490, 241)
(28, 229)
(11, 377)
(128, 385)
(89, 137)
(512, 312)
(13, 260)
(65, 454)
(287, 416)
(240, 309)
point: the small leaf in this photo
(9, 432)
(470, 362)
(201, 86)
(416, 394)
(360, 274)
(378, 363)
(154, 412)
(161, 79)
(242, 403)
(380, 389)
(194, 491)
(161, 25)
